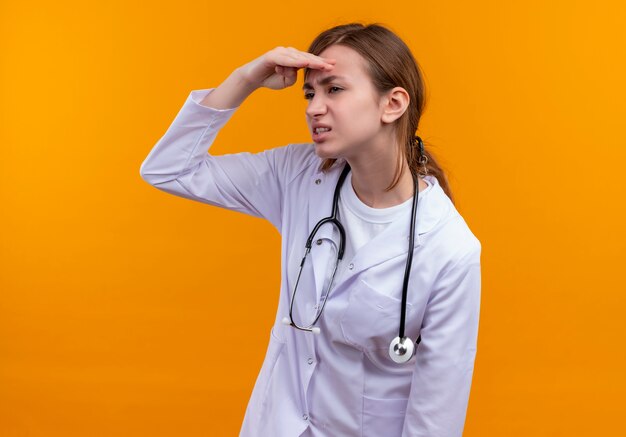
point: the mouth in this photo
(317, 137)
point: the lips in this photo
(322, 135)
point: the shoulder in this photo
(467, 247)
(295, 159)
(448, 233)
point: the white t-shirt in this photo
(362, 222)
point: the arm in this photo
(245, 182)
(179, 164)
(445, 356)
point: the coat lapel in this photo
(393, 241)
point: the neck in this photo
(372, 174)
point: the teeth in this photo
(321, 129)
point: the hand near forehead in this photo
(278, 68)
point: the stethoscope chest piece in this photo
(401, 350)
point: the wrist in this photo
(243, 81)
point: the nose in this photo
(316, 106)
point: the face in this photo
(348, 104)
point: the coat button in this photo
(351, 266)
(305, 417)
(310, 361)
(318, 181)
(319, 241)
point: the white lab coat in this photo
(341, 382)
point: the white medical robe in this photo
(342, 381)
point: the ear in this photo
(394, 103)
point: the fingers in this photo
(300, 59)
(289, 73)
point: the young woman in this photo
(377, 321)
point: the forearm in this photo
(230, 93)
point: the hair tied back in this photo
(422, 158)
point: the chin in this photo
(323, 152)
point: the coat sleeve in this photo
(179, 164)
(442, 379)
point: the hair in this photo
(389, 63)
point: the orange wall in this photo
(118, 302)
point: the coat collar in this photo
(390, 243)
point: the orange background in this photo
(119, 304)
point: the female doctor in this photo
(377, 322)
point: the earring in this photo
(422, 159)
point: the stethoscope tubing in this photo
(399, 350)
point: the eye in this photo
(309, 96)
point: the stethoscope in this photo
(401, 348)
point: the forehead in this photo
(349, 66)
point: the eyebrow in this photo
(327, 79)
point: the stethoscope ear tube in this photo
(286, 321)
